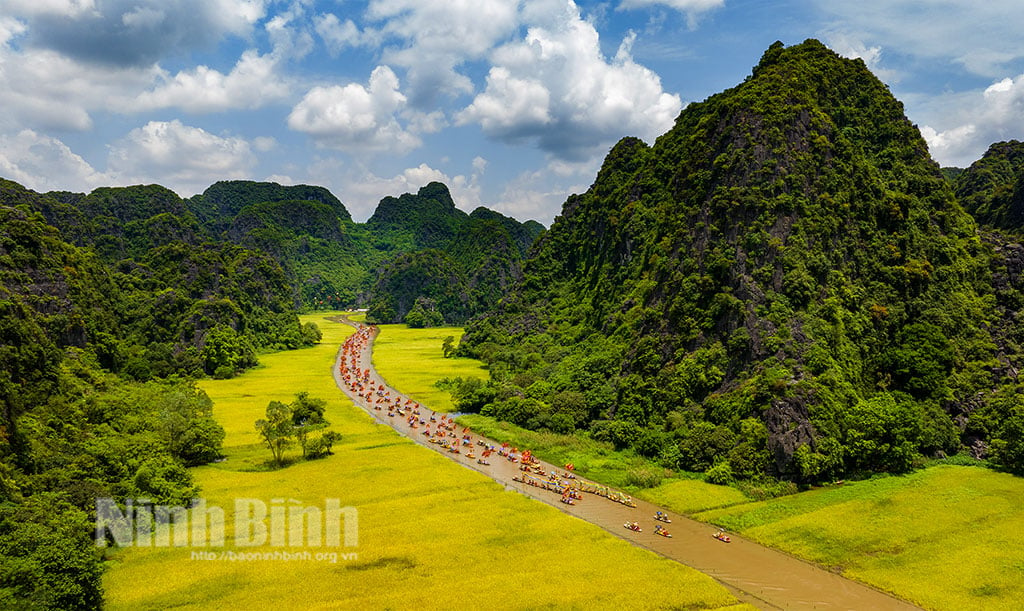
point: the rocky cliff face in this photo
(787, 253)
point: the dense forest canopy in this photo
(783, 284)
(115, 300)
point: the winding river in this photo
(766, 578)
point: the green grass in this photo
(683, 492)
(431, 533)
(412, 361)
(947, 537)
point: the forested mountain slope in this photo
(70, 430)
(992, 188)
(452, 264)
(783, 283)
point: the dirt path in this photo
(764, 577)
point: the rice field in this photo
(947, 537)
(431, 533)
(412, 360)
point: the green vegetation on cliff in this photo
(462, 264)
(782, 284)
(992, 188)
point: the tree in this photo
(1008, 445)
(321, 446)
(46, 559)
(225, 352)
(424, 313)
(186, 419)
(311, 334)
(307, 416)
(448, 347)
(277, 429)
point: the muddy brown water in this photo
(764, 577)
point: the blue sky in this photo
(513, 104)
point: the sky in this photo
(511, 103)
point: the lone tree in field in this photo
(307, 416)
(277, 429)
(300, 418)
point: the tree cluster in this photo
(301, 421)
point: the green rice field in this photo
(431, 533)
(947, 537)
(414, 358)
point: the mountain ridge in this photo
(788, 254)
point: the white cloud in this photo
(983, 37)
(289, 33)
(371, 188)
(692, 8)
(954, 143)
(143, 17)
(425, 122)
(264, 143)
(360, 189)
(182, 158)
(968, 123)
(42, 89)
(67, 8)
(510, 105)
(38, 162)
(437, 36)
(133, 32)
(555, 87)
(479, 165)
(355, 118)
(536, 195)
(252, 83)
(338, 35)
(9, 29)
(853, 47)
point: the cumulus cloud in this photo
(340, 35)
(38, 162)
(355, 118)
(183, 158)
(42, 89)
(976, 121)
(556, 88)
(372, 188)
(134, 32)
(362, 189)
(290, 33)
(539, 194)
(71, 8)
(692, 8)
(252, 83)
(853, 47)
(9, 29)
(435, 37)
